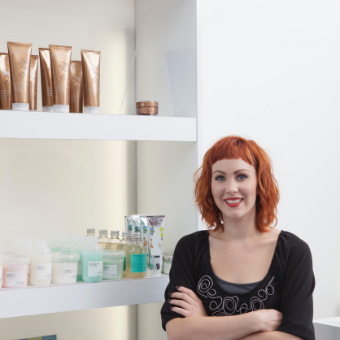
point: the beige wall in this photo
(66, 186)
(104, 324)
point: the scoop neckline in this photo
(259, 282)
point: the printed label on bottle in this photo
(155, 263)
(95, 268)
(70, 274)
(16, 279)
(80, 267)
(44, 272)
(124, 264)
(110, 272)
(138, 263)
(0, 276)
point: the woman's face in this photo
(234, 180)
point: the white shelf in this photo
(63, 298)
(327, 329)
(335, 322)
(47, 125)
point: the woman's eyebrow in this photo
(240, 170)
(222, 172)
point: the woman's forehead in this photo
(232, 165)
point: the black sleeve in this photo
(297, 299)
(182, 273)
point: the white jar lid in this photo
(167, 257)
(65, 258)
(91, 109)
(16, 260)
(20, 106)
(61, 108)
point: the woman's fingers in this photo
(180, 303)
(180, 311)
(189, 292)
(183, 296)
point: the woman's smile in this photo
(232, 203)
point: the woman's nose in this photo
(231, 188)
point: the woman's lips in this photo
(233, 205)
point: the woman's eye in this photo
(242, 176)
(219, 178)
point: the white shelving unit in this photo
(327, 329)
(72, 126)
(80, 296)
(49, 185)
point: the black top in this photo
(235, 288)
(287, 287)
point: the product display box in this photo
(47, 337)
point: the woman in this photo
(257, 279)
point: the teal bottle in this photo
(77, 248)
(92, 260)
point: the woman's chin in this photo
(234, 215)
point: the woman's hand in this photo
(269, 320)
(189, 304)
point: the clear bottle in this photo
(103, 239)
(123, 244)
(113, 242)
(77, 248)
(40, 264)
(90, 232)
(92, 255)
(135, 258)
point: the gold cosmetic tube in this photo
(46, 80)
(5, 83)
(60, 67)
(91, 79)
(20, 64)
(33, 83)
(76, 87)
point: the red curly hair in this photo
(234, 147)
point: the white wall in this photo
(166, 72)
(51, 186)
(271, 73)
(166, 58)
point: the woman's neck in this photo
(240, 230)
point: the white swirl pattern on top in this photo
(228, 305)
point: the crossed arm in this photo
(197, 325)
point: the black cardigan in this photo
(287, 287)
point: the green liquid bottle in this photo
(123, 244)
(77, 248)
(92, 256)
(135, 258)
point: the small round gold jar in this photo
(147, 108)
